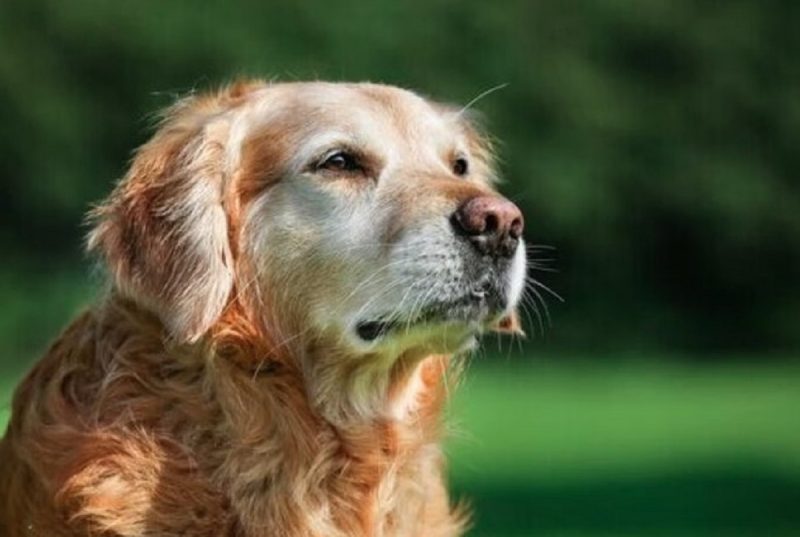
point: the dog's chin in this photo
(438, 328)
(430, 336)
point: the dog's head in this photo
(356, 213)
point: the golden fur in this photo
(193, 398)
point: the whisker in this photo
(532, 303)
(551, 270)
(419, 303)
(380, 295)
(545, 308)
(372, 277)
(481, 95)
(542, 286)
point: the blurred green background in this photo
(654, 143)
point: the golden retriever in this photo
(291, 268)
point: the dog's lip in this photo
(372, 330)
(476, 306)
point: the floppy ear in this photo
(163, 232)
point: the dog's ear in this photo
(163, 232)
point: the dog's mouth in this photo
(372, 330)
(474, 309)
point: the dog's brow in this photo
(313, 147)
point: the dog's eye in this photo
(460, 166)
(340, 161)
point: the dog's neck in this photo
(343, 388)
(348, 389)
(364, 419)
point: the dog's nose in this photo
(491, 223)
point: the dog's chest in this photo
(348, 490)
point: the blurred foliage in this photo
(654, 143)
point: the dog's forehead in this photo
(330, 98)
(363, 110)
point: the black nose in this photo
(492, 224)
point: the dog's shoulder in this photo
(98, 440)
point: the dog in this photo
(293, 269)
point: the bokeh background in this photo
(653, 143)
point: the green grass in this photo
(598, 449)
(570, 423)
(602, 449)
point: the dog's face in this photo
(359, 214)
